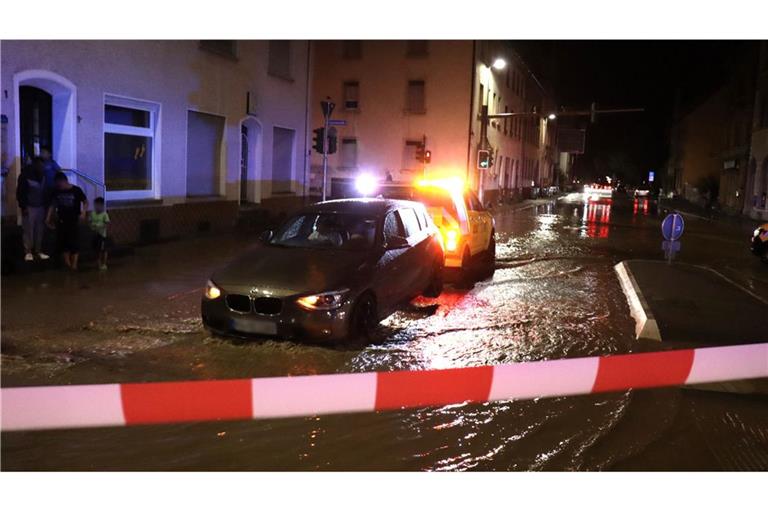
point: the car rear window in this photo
(434, 197)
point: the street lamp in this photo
(499, 64)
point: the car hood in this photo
(282, 271)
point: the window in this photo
(280, 59)
(417, 48)
(393, 227)
(348, 153)
(225, 48)
(204, 137)
(410, 221)
(352, 49)
(416, 100)
(282, 159)
(351, 95)
(129, 148)
(409, 155)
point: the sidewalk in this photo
(691, 305)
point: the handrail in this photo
(80, 174)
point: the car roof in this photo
(366, 206)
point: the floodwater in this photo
(554, 295)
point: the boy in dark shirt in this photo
(70, 204)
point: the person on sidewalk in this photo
(98, 221)
(32, 198)
(69, 204)
(50, 168)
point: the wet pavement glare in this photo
(554, 294)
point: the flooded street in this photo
(554, 295)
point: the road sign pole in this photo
(327, 107)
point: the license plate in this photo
(254, 326)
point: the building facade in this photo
(756, 197)
(176, 135)
(396, 97)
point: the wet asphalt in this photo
(554, 294)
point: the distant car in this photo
(597, 192)
(466, 227)
(759, 242)
(642, 192)
(331, 271)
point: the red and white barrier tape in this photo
(48, 407)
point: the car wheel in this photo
(435, 287)
(489, 258)
(364, 318)
(467, 270)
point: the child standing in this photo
(98, 222)
(69, 204)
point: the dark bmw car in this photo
(332, 271)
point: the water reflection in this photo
(640, 206)
(596, 219)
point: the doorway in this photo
(35, 122)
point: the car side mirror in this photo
(396, 242)
(266, 236)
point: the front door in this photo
(35, 122)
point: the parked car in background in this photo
(331, 271)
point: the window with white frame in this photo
(130, 148)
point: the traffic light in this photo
(427, 156)
(593, 112)
(332, 140)
(483, 159)
(318, 141)
(491, 159)
(420, 154)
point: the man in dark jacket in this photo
(31, 195)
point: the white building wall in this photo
(179, 76)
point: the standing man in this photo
(50, 167)
(32, 198)
(69, 204)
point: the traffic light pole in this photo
(327, 107)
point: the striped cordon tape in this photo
(49, 407)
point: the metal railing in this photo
(96, 187)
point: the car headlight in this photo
(211, 291)
(322, 301)
(756, 233)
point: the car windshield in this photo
(327, 230)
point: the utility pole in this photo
(327, 105)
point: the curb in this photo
(646, 327)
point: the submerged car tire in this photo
(364, 318)
(489, 259)
(435, 287)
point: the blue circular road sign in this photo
(672, 226)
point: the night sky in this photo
(619, 74)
